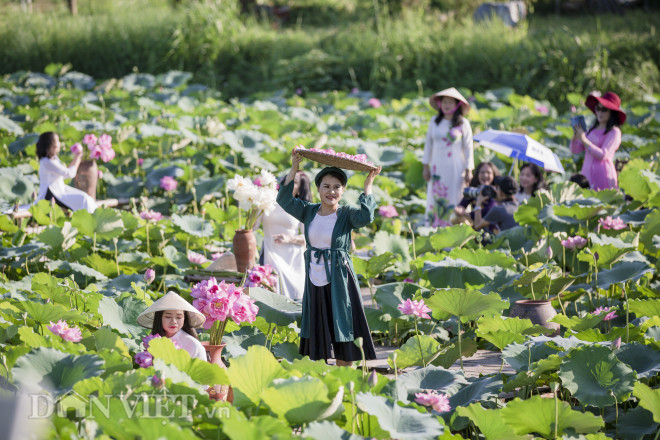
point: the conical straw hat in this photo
(171, 301)
(452, 93)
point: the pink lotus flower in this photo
(144, 359)
(616, 344)
(156, 381)
(148, 339)
(542, 109)
(149, 276)
(100, 174)
(105, 141)
(150, 215)
(95, 152)
(439, 402)
(574, 242)
(299, 91)
(196, 258)
(262, 276)
(107, 154)
(355, 90)
(610, 315)
(374, 102)
(219, 301)
(90, 140)
(388, 211)
(573, 109)
(67, 333)
(408, 280)
(612, 223)
(76, 148)
(216, 255)
(168, 183)
(417, 308)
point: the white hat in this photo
(452, 93)
(171, 301)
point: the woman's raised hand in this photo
(296, 158)
(370, 180)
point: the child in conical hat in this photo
(173, 317)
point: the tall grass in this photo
(356, 44)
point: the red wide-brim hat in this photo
(609, 100)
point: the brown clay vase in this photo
(222, 393)
(245, 249)
(87, 177)
(537, 311)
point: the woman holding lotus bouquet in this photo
(333, 316)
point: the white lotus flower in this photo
(267, 179)
(237, 182)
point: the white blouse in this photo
(52, 173)
(320, 237)
(194, 348)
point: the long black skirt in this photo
(322, 344)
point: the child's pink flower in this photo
(76, 148)
(439, 402)
(388, 211)
(610, 315)
(168, 183)
(417, 308)
(90, 140)
(144, 359)
(574, 242)
(196, 258)
(612, 223)
(374, 102)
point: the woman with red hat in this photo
(601, 141)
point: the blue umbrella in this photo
(520, 146)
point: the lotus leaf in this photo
(51, 369)
(467, 304)
(104, 224)
(59, 239)
(489, 422)
(237, 342)
(452, 237)
(411, 354)
(396, 244)
(253, 372)
(401, 422)
(521, 356)
(193, 225)
(643, 359)
(10, 126)
(238, 427)
(45, 313)
(448, 355)
(645, 307)
(577, 323)
(428, 378)
(275, 308)
(595, 376)
(635, 424)
(122, 315)
(538, 415)
(389, 296)
(623, 271)
(328, 431)
(302, 400)
(44, 215)
(649, 399)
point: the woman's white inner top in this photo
(320, 237)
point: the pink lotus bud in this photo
(76, 148)
(149, 276)
(616, 344)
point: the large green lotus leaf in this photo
(123, 187)
(238, 427)
(489, 422)
(452, 237)
(10, 253)
(389, 296)
(635, 424)
(623, 271)
(105, 266)
(634, 333)
(428, 378)
(530, 377)
(59, 239)
(397, 245)
(193, 225)
(46, 313)
(105, 223)
(72, 267)
(10, 126)
(638, 181)
(14, 187)
(21, 143)
(200, 371)
(645, 307)
(122, 315)
(237, 342)
(401, 422)
(289, 350)
(481, 389)
(274, 308)
(555, 223)
(44, 215)
(449, 354)
(410, 353)
(381, 155)
(649, 399)
(502, 338)
(643, 359)
(307, 366)
(467, 304)
(592, 373)
(580, 209)
(154, 176)
(113, 384)
(7, 225)
(250, 374)
(537, 415)
(577, 323)
(458, 273)
(327, 431)
(482, 257)
(109, 340)
(607, 254)
(649, 232)
(374, 266)
(301, 400)
(514, 325)
(521, 356)
(48, 368)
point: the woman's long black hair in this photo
(456, 118)
(611, 122)
(538, 173)
(304, 187)
(157, 328)
(44, 144)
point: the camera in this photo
(472, 192)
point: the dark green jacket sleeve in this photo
(362, 216)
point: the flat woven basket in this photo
(335, 161)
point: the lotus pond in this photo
(598, 379)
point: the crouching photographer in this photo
(500, 216)
(481, 181)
